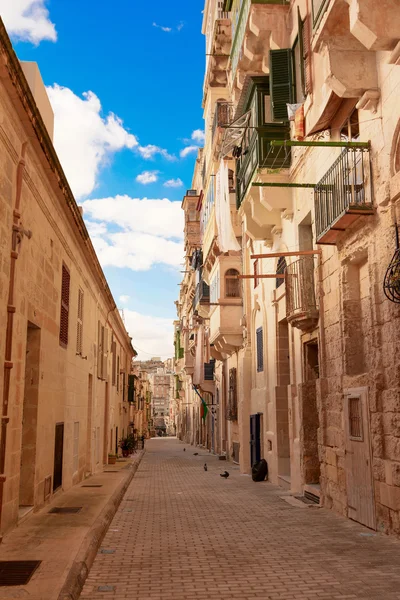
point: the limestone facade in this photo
(66, 355)
(318, 371)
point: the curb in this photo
(84, 559)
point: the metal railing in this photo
(300, 289)
(222, 116)
(345, 187)
(209, 370)
(202, 294)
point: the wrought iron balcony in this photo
(343, 194)
(301, 305)
(202, 294)
(209, 370)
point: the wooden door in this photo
(360, 492)
(58, 456)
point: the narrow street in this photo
(181, 533)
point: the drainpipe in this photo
(17, 233)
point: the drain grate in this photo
(17, 572)
(95, 485)
(107, 551)
(65, 510)
(106, 588)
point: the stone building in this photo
(65, 352)
(317, 196)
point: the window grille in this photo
(260, 349)
(232, 284)
(64, 317)
(355, 418)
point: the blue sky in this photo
(125, 82)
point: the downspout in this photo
(8, 365)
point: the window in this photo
(79, 324)
(260, 349)
(118, 374)
(319, 7)
(64, 317)
(280, 270)
(114, 361)
(232, 284)
(281, 82)
(76, 448)
(102, 351)
(256, 272)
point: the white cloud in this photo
(28, 20)
(173, 183)
(159, 217)
(154, 335)
(151, 150)
(147, 177)
(198, 135)
(140, 232)
(167, 29)
(180, 26)
(84, 140)
(188, 150)
(124, 299)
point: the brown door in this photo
(360, 493)
(58, 456)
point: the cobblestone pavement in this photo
(183, 534)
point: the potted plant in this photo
(112, 459)
(127, 445)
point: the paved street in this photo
(183, 534)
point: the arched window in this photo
(232, 284)
(280, 270)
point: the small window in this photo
(232, 284)
(256, 273)
(79, 324)
(76, 448)
(64, 317)
(280, 270)
(355, 418)
(260, 349)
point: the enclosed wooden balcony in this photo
(343, 195)
(301, 304)
(218, 49)
(201, 300)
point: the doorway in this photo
(309, 416)
(58, 456)
(360, 492)
(282, 405)
(255, 439)
(29, 419)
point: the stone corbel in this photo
(369, 101)
(287, 214)
(276, 231)
(394, 58)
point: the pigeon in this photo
(225, 474)
(184, 449)
(205, 466)
(195, 453)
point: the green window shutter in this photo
(301, 42)
(281, 82)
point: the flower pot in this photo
(112, 460)
(125, 453)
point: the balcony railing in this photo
(202, 294)
(259, 154)
(301, 304)
(222, 116)
(343, 194)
